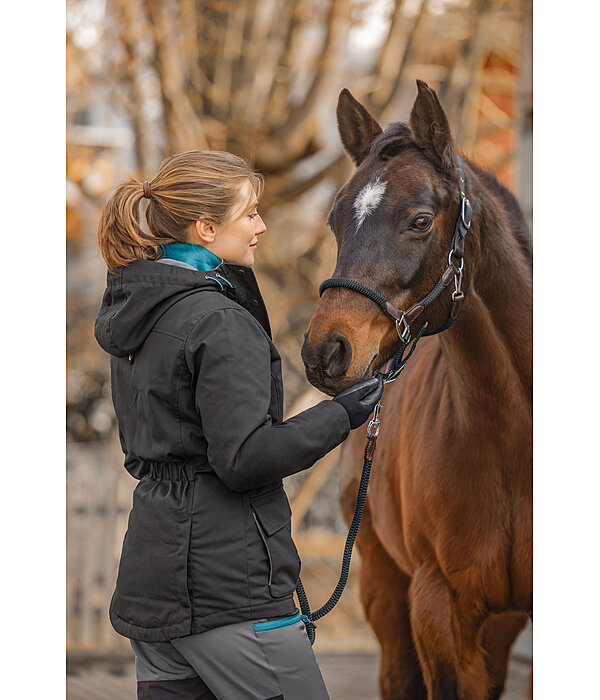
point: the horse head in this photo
(393, 222)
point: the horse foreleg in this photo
(383, 595)
(446, 634)
(498, 634)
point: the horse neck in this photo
(488, 349)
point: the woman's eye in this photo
(422, 223)
(253, 216)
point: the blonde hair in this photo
(188, 187)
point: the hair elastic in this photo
(147, 190)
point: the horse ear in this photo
(430, 128)
(356, 126)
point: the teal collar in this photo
(195, 255)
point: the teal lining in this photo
(191, 253)
(276, 624)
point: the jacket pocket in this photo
(272, 515)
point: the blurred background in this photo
(146, 78)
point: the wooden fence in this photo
(99, 497)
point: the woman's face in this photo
(236, 240)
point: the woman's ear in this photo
(203, 232)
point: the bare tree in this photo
(262, 79)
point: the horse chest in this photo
(465, 507)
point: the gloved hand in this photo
(359, 399)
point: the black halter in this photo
(404, 319)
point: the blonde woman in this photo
(208, 566)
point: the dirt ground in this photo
(347, 676)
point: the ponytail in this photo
(120, 236)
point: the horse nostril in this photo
(336, 355)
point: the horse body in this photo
(446, 538)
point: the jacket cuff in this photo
(338, 416)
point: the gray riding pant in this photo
(251, 660)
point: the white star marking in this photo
(367, 200)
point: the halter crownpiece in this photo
(147, 193)
(403, 319)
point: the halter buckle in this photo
(404, 335)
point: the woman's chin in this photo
(247, 259)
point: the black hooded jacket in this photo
(198, 394)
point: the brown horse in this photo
(446, 573)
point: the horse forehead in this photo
(368, 198)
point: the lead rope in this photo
(396, 366)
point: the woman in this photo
(208, 566)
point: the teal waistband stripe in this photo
(276, 624)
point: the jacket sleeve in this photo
(230, 360)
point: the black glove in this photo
(359, 399)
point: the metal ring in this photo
(375, 423)
(208, 277)
(450, 262)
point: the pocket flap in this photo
(273, 510)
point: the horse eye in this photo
(422, 223)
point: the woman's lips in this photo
(253, 245)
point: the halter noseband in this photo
(403, 319)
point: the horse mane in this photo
(513, 209)
(398, 135)
(388, 144)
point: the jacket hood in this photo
(138, 294)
